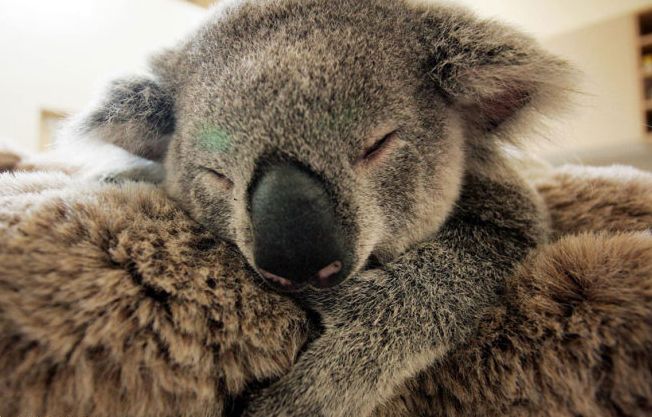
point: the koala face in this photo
(311, 157)
(318, 134)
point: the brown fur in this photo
(573, 338)
(8, 161)
(113, 302)
(603, 200)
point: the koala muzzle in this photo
(298, 238)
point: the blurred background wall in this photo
(57, 53)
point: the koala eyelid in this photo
(375, 150)
(219, 176)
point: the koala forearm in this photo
(397, 321)
(493, 228)
(386, 325)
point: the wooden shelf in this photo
(645, 40)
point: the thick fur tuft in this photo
(497, 76)
(136, 114)
(114, 303)
(573, 338)
(585, 206)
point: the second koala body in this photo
(323, 137)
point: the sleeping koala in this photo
(351, 151)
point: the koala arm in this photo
(385, 325)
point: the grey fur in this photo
(136, 114)
(313, 81)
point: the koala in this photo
(351, 150)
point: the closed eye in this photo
(221, 178)
(379, 148)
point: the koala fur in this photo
(316, 84)
(571, 336)
(114, 302)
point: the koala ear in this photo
(492, 73)
(135, 113)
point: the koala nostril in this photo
(324, 278)
(324, 275)
(284, 282)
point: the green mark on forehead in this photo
(339, 119)
(214, 139)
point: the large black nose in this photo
(298, 237)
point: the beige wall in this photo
(56, 54)
(607, 111)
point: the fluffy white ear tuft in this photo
(136, 114)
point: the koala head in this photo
(319, 134)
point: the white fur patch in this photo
(618, 172)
